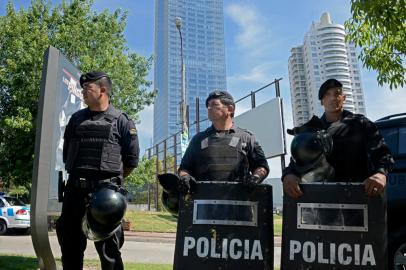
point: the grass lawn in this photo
(277, 225)
(16, 262)
(151, 221)
(165, 222)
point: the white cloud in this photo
(258, 74)
(257, 64)
(384, 102)
(253, 34)
(380, 100)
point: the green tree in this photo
(143, 179)
(143, 174)
(90, 40)
(146, 171)
(378, 27)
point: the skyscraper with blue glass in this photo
(204, 56)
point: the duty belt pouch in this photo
(83, 183)
(110, 158)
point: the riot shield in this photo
(334, 226)
(223, 225)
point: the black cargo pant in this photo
(73, 241)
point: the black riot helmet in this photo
(105, 210)
(170, 194)
(171, 202)
(309, 148)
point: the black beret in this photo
(92, 76)
(330, 83)
(224, 96)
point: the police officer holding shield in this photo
(223, 152)
(100, 146)
(358, 154)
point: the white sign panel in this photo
(265, 121)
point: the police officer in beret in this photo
(100, 145)
(359, 153)
(223, 152)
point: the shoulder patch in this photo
(204, 143)
(133, 131)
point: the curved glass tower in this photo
(323, 55)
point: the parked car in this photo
(14, 214)
(393, 129)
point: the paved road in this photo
(135, 249)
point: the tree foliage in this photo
(147, 169)
(90, 40)
(143, 174)
(378, 27)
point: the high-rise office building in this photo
(323, 55)
(204, 56)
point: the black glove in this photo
(251, 181)
(186, 183)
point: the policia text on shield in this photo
(100, 149)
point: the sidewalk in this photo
(153, 237)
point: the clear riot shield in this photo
(334, 226)
(223, 225)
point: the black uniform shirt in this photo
(255, 154)
(359, 150)
(127, 134)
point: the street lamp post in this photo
(185, 132)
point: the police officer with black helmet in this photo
(358, 154)
(100, 147)
(223, 152)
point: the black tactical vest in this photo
(94, 147)
(222, 158)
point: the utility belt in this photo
(91, 183)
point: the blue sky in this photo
(258, 39)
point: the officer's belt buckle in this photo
(82, 182)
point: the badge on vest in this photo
(234, 141)
(204, 144)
